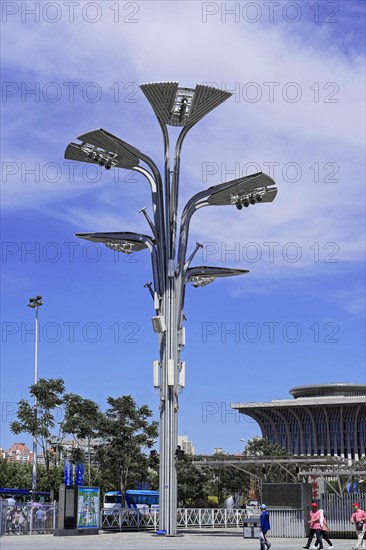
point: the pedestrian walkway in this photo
(228, 539)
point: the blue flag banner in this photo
(79, 475)
(67, 472)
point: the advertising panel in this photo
(88, 508)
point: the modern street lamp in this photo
(179, 107)
(35, 303)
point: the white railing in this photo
(284, 523)
(126, 518)
(211, 517)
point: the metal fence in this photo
(284, 523)
(287, 523)
(338, 511)
(23, 519)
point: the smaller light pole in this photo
(35, 303)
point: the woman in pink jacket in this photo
(358, 518)
(315, 526)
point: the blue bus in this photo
(135, 499)
(24, 495)
(142, 499)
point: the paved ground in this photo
(228, 539)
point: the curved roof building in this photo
(321, 420)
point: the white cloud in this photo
(170, 42)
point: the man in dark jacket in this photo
(265, 527)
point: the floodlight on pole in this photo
(35, 303)
(178, 106)
(99, 145)
(181, 107)
(221, 195)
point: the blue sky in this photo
(297, 113)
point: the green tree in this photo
(125, 431)
(273, 473)
(259, 446)
(193, 483)
(82, 420)
(229, 481)
(15, 475)
(41, 422)
(20, 476)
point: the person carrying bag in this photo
(358, 518)
(264, 528)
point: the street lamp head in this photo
(243, 191)
(101, 147)
(126, 247)
(203, 275)
(239, 200)
(126, 242)
(177, 106)
(35, 302)
(200, 281)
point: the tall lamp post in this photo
(35, 303)
(180, 107)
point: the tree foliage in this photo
(193, 483)
(40, 422)
(125, 430)
(117, 438)
(82, 419)
(273, 473)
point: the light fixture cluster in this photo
(182, 106)
(126, 248)
(108, 160)
(245, 200)
(35, 302)
(199, 281)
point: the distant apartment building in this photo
(186, 445)
(82, 444)
(18, 453)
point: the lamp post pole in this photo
(180, 107)
(35, 304)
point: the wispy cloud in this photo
(313, 133)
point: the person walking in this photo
(358, 518)
(17, 521)
(264, 528)
(315, 527)
(323, 530)
(40, 520)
